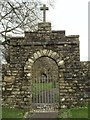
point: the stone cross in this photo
(44, 8)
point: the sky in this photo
(71, 16)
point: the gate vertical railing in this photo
(45, 90)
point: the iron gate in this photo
(45, 92)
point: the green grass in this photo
(81, 112)
(12, 113)
(64, 113)
(37, 87)
(74, 113)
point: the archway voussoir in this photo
(44, 52)
(57, 56)
(30, 60)
(27, 63)
(61, 62)
(32, 57)
(58, 60)
(25, 67)
(53, 54)
(29, 66)
(39, 53)
(28, 74)
(50, 53)
(36, 56)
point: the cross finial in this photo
(44, 8)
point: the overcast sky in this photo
(72, 16)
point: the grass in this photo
(79, 112)
(64, 113)
(74, 113)
(37, 87)
(12, 113)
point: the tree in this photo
(17, 16)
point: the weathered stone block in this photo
(44, 45)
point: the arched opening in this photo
(44, 72)
(45, 88)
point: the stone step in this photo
(43, 115)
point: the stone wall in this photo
(44, 42)
(85, 79)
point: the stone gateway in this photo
(45, 72)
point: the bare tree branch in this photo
(17, 16)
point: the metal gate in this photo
(45, 92)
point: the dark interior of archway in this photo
(45, 81)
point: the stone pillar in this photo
(44, 26)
